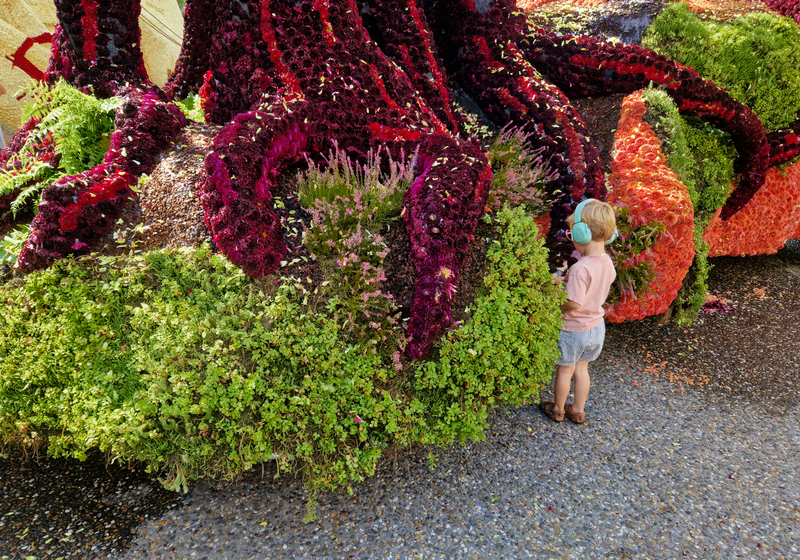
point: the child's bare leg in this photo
(582, 384)
(561, 390)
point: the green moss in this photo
(756, 57)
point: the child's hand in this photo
(557, 278)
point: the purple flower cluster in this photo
(443, 206)
(784, 145)
(248, 156)
(404, 35)
(48, 242)
(193, 61)
(790, 8)
(97, 45)
(588, 66)
(78, 210)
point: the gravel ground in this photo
(653, 474)
(662, 469)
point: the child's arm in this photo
(569, 305)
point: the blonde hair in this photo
(600, 218)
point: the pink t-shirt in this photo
(588, 282)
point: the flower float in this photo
(764, 225)
(287, 80)
(642, 182)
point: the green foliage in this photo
(519, 174)
(12, 244)
(191, 108)
(691, 297)
(176, 359)
(505, 351)
(80, 127)
(629, 243)
(81, 124)
(700, 155)
(702, 158)
(755, 57)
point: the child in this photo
(592, 226)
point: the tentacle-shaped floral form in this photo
(401, 29)
(642, 181)
(195, 56)
(482, 51)
(586, 66)
(335, 84)
(248, 156)
(784, 144)
(79, 209)
(42, 150)
(764, 225)
(99, 45)
(443, 207)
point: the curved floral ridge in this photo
(96, 47)
(642, 181)
(482, 51)
(368, 102)
(80, 209)
(764, 225)
(586, 66)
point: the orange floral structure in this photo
(766, 222)
(642, 181)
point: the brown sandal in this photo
(547, 407)
(576, 417)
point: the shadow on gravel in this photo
(63, 508)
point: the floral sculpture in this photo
(642, 181)
(288, 79)
(764, 225)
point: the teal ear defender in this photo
(580, 229)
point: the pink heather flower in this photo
(358, 420)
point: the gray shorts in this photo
(582, 346)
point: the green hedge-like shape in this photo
(756, 57)
(176, 359)
(702, 158)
